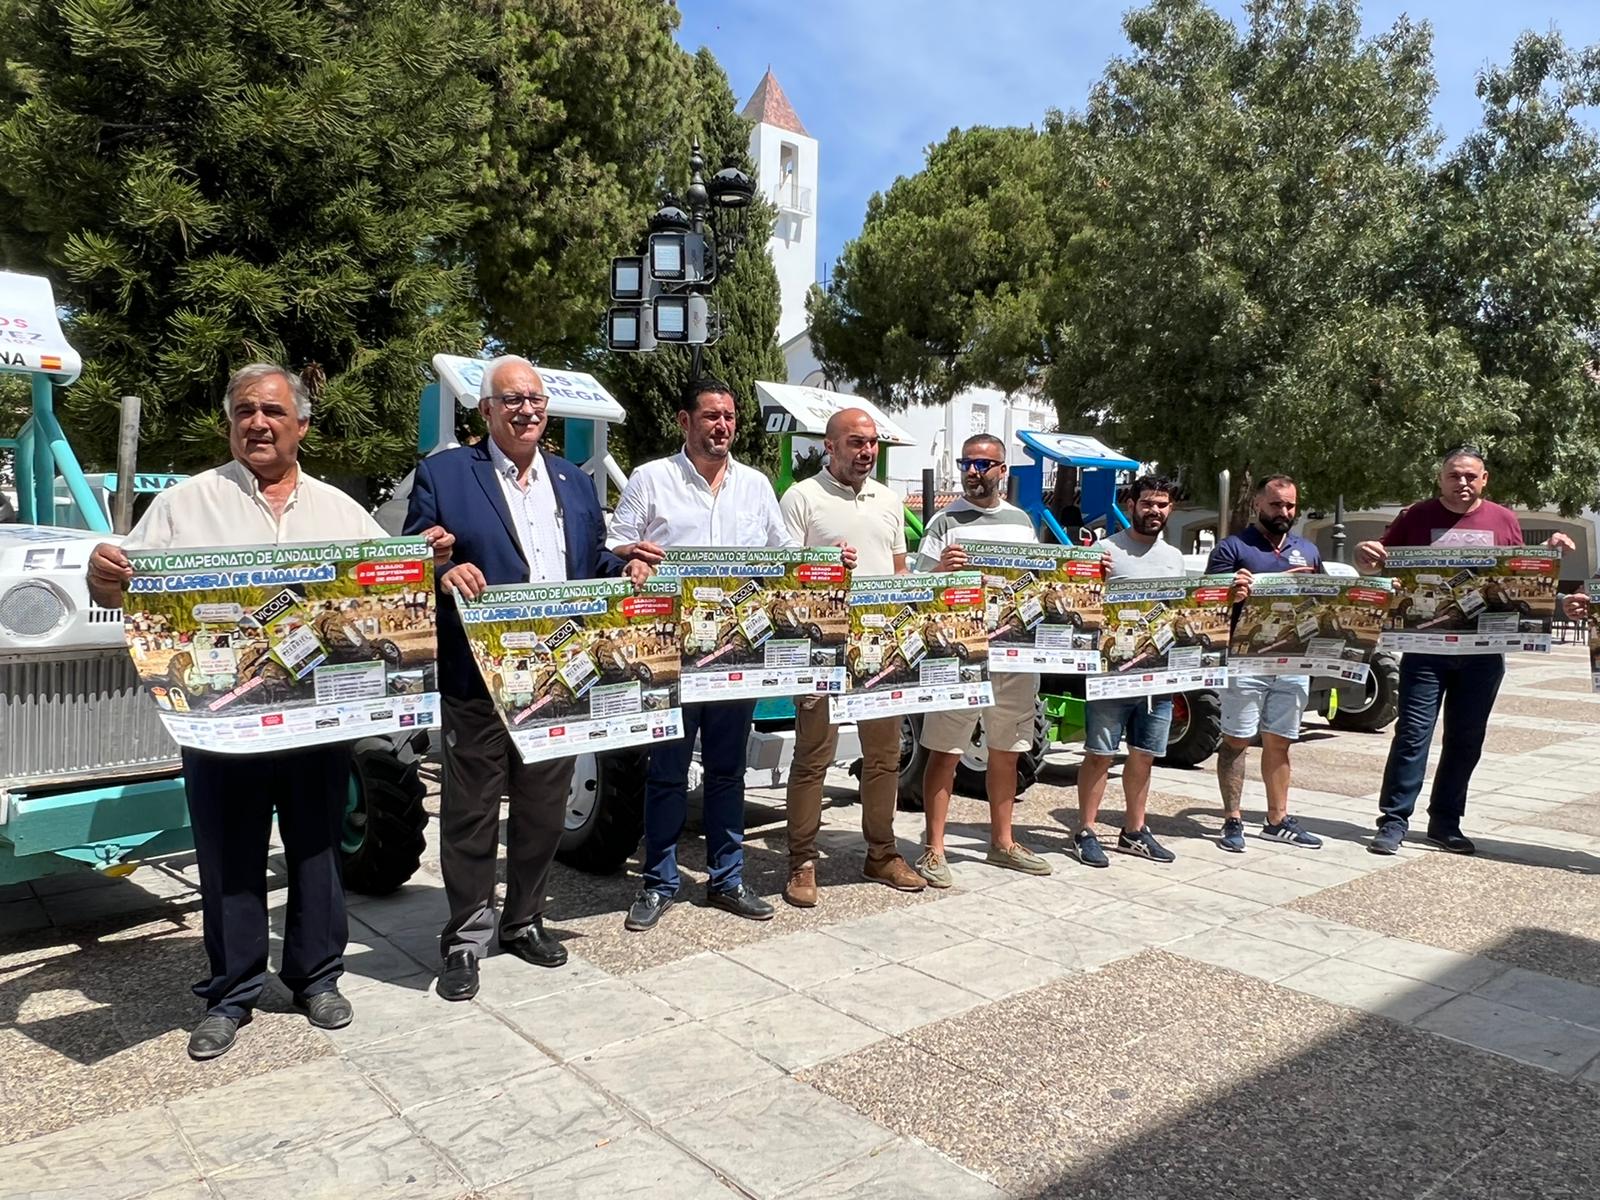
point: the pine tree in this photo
(210, 183)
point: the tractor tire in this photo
(385, 828)
(913, 762)
(1377, 709)
(1196, 729)
(605, 812)
(972, 768)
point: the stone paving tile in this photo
(109, 1158)
(585, 1019)
(778, 1137)
(1429, 964)
(988, 968)
(901, 1170)
(639, 1164)
(794, 1031)
(707, 984)
(388, 1008)
(1305, 930)
(1252, 885)
(672, 1071)
(979, 914)
(1515, 1033)
(507, 981)
(1260, 958)
(383, 1161)
(1081, 944)
(1540, 918)
(277, 1113)
(1144, 925)
(512, 1126)
(1378, 992)
(1545, 995)
(894, 998)
(900, 936)
(1047, 897)
(806, 959)
(1199, 903)
(442, 1060)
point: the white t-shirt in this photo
(669, 502)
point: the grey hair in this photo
(492, 368)
(254, 373)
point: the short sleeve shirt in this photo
(1430, 523)
(964, 521)
(821, 511)
(1251, 550)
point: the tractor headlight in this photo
(33, 609)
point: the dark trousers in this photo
(480, 766)
(1464, 686)
(724, 730)
(231, 802)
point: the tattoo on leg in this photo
(1230, 776)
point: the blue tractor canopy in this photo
(1096, 465)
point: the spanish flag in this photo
(49, 362)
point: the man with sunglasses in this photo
(699, 496)
(980, 515)
(1464, 686)
(519, 514)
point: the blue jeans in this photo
(1463, 685)
(1146, 720)
(724, 728)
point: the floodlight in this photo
(627, 278)
(667, 255)
(625, 328)
(672, 318)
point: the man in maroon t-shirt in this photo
(1458, 516)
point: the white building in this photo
(787, 173)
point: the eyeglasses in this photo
(519, 400)
(980, 465)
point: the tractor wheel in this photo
(384, 822)
(1373, 708)
(913, 761)
(972, 768)
(1196, 729)
(605, 810)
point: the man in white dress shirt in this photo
(698, 497)
(261, 497)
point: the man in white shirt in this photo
(981, 515)
(845, 506)
(698, 497)
(260, 497)
(517, 514)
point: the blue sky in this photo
(877, 81)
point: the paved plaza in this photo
(1281, 1023)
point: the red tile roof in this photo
(771, 106)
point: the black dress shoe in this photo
(459, 980)
(326, 1010)
(1456, 843)
(536, 946)
(741, 902)
(647, 909)
(214, 1035)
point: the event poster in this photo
(575, 668)
(1042, 605)
(917, 644)
(760, 622)
(1592, 590)
(1162, 635)
(251, 649)
(1303, 624)
(1472, 599)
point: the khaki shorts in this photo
(1007, 724)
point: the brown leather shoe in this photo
(801, 890)
(894, 871)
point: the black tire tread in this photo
(396, 834)
(1204, 734)
(614, 831)
(1381, 713)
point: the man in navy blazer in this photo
(518, 514)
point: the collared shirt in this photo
(669, 502)
(224, 507)
(1251, 550)
(821, 511)
(534, 515)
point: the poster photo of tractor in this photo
(1305, 624)
(1163, 636)
(1472, 600)
(578, 668)
(1042, 604)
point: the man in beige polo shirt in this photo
(844, 506)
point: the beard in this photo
(1277, 525)
(1151, 523)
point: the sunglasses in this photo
(980, 465)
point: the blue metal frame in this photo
(42, 453)
(1098, 479)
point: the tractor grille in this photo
(78, 719)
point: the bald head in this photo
(851, 440)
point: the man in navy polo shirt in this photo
(1265, 705)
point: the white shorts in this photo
(1007, 723)
(1254, 704)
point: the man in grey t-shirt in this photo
(1138, 552)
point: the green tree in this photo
(955, 278)
(210, 183)
(652, 385)
(589, 100)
